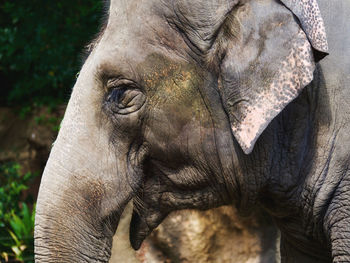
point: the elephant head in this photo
(169, 96)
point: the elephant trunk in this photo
(84, 187)
(69, 226)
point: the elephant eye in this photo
(125, 98)
(116, 95)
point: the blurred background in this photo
(41, 51)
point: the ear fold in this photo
(309, 16)
(268, 63)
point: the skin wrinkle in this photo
(195, 54)
(191, 44)
(329, 200)
(63, 243)
(324, 170)
(216, 144)
(311, 199)
(334, 223)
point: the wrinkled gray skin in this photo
(147, 122)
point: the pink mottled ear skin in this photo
(294, 73)
(309, 15)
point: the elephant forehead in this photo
(133, 32)
(130, 7)
(119, 53)
(130, 17)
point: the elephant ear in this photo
(309, 16)
(268, 58)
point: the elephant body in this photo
(322, 191)
(197, 104)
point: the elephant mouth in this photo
(138, 231)
(142, 226)
(152, 206)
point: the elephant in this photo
(197, 104)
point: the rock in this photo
(122, 251)
(217, 235)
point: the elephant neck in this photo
(290, 164)
(274, 173)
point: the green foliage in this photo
(12, 183)
(24, 111)
(40, 46)
(50, 121)
(16, 220)
(19, 245)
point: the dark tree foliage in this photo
(41, 44)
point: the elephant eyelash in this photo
(117, 88)
(123, 97)
(120, 83)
